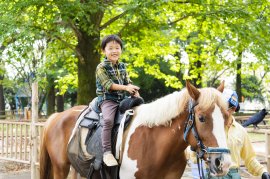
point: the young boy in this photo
(112, 81)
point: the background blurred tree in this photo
(2, 99)
(252, 88)
(201, 38)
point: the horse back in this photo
(64, 120)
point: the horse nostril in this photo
(217, 162)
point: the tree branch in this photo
(75, 29)
(121, 30)
(66, 43)
(205, 14)
(262, 77)
(218, 74)
(106, 24)
(184, 2)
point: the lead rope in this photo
(200, 167)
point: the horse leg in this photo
(60, 162)
(61, 172)
(59, 159)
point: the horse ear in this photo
(221, 86)
(192, 90)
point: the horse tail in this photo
(45, 161)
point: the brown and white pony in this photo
(156, 140)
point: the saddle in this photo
(91, 122)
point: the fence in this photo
(266, 132)
(16, 142)
(19, 141)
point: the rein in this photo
(190, 126)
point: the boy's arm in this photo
(103, 78)
(249, 156)
(132, 89)
(108, 83)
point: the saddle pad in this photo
(92, 115)
(80, 118)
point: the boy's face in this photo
(112, 51)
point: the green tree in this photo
(152, 32)
(252, 88)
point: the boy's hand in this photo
(132, 89)
(137, 94)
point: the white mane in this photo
(163, 110)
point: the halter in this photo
(190, 125)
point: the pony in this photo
(156, 139)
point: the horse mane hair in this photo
(162, 111)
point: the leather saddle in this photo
(93, 121)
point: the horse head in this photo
(204, 129)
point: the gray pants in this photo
(232, 174)
(108, 109)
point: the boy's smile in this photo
(113, 51)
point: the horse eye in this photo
(202, 119)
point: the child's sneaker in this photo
(109, 159)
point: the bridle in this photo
(190, 126)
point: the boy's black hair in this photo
(110, 38)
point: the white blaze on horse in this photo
(155, 141)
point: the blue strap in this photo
(218, 150)
(200, 167)
(190, 121)
(189, 125)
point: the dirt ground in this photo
(12, 167)
(14, 170)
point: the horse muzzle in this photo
(219, 161)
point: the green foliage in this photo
(150, 88)
(252, 88)
(165, 41)
(61, 66)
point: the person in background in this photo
(239, 144)
(112, 81)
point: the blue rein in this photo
(190, 126)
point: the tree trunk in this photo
(86, 68)
(2, 100)
(73, 98)
(41, 102)
(60, 103)
(51, 99)
(198, 82)
(238, 76)
(89, 58)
